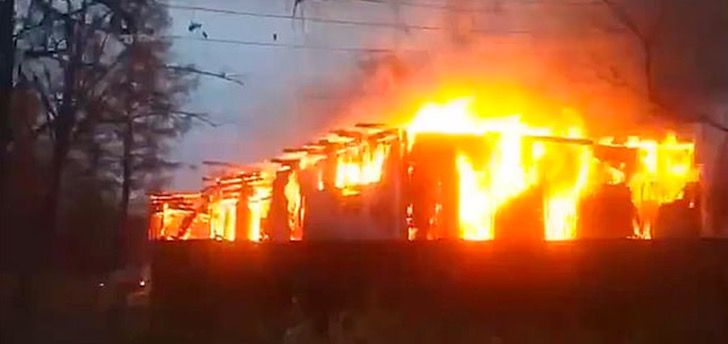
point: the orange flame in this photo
(485, 189)
(664, 169)
(513, 153)
(294, 202)
(566, 178)
(223, 219)
(258, 205)
(359, 166)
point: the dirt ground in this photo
(71, 308)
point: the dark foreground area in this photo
(440, 292)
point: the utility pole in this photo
(7, 64)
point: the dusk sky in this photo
(260, 118)
(281, 60)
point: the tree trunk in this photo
(7, 63)
(62, 130)
(60, 153)
(126, 164)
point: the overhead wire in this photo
(400, 26)
(307, 19)
(487, 9)
(278, 45)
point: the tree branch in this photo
(193, 70)
(713, 123)
(657, 25)
(105, 72)
(624, 18)
(44, 53)
(125, 15)
(199, 116)
(202, 117)
(50, 112)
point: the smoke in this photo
(550, 54)
(547, 56)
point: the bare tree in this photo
(137, 116)
(649, 24)
(70, 53)
(645, 34)
(104, 103)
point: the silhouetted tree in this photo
(96, 105)
(137, 117)
(76, 56)
(646, 35)
(683, 47)
(68, 51)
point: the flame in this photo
(165, 220)
(223, 219)
(477, 209)
(485, 189)
(567, 172)
(505, 154)
(258, 205)
(566, 180)
(320, 180)
(615, 175)
(294, 202)
(451, 118)
(360, 165)
(663, 171)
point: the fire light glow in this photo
(294, 202)
(565, 172)
(360, 166)
(502, 151)
(258, 205)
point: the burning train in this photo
(455, 170)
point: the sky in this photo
(285, 63)
(259, 118)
